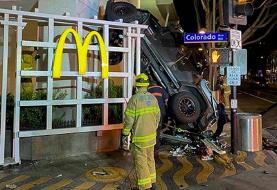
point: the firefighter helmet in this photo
(142, 80)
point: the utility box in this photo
(249, 132)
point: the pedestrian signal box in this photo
(220, 56)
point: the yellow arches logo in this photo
(82, 50)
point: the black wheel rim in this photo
(187, 106)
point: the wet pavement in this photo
(115, 170)
(261, 178)
(269, 118)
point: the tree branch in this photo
(272, 5)
(204, 6)
(263, 36)
(273, 17)
(249, 31)
(197, 14)
(261, 5)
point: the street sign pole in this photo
(233, 80)
(234, 131)
(234, 120)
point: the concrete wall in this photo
(61, 146)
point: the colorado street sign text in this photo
(206, 37)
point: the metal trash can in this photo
(249, 132)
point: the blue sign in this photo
(233, 76)
(205, 37)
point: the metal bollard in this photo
(249, 132)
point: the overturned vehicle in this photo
(191, 103)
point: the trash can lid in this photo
(248, 115)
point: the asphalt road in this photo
(256, 100)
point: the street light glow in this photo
(202, 31)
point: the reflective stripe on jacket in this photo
(142, 117)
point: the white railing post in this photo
(51, 36)
(4, 89)
(106, 81)
(79, 86)
(16, 152)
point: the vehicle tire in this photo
(121, 10)
(185, 107)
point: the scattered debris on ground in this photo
(225, 160)
(11, 186)
(269, 145)
(60, 175)
(99, 173)
(183, 150)
(240, 156)
(188, 143)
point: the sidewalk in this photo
(261, 178)
(114, 170)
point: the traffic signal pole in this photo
(235, 12)
(213, 68)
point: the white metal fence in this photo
(18, 20)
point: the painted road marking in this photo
(85, 185)
(272, 154)
(190, 172)
(111, 186)
(179, 176)
(167, 164)
(242, 163)
(58, 185)
(260, 158)
(206, 171)
(258, 97)
(229, 172)
(14, 180)
(33, 183)
(246, 166)
(2, 175)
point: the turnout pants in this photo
(144, 166)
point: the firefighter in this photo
(226, 93)
(221, 106)
(162, 98)
(141, 120)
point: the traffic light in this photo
(243, 8)
(236, 11)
